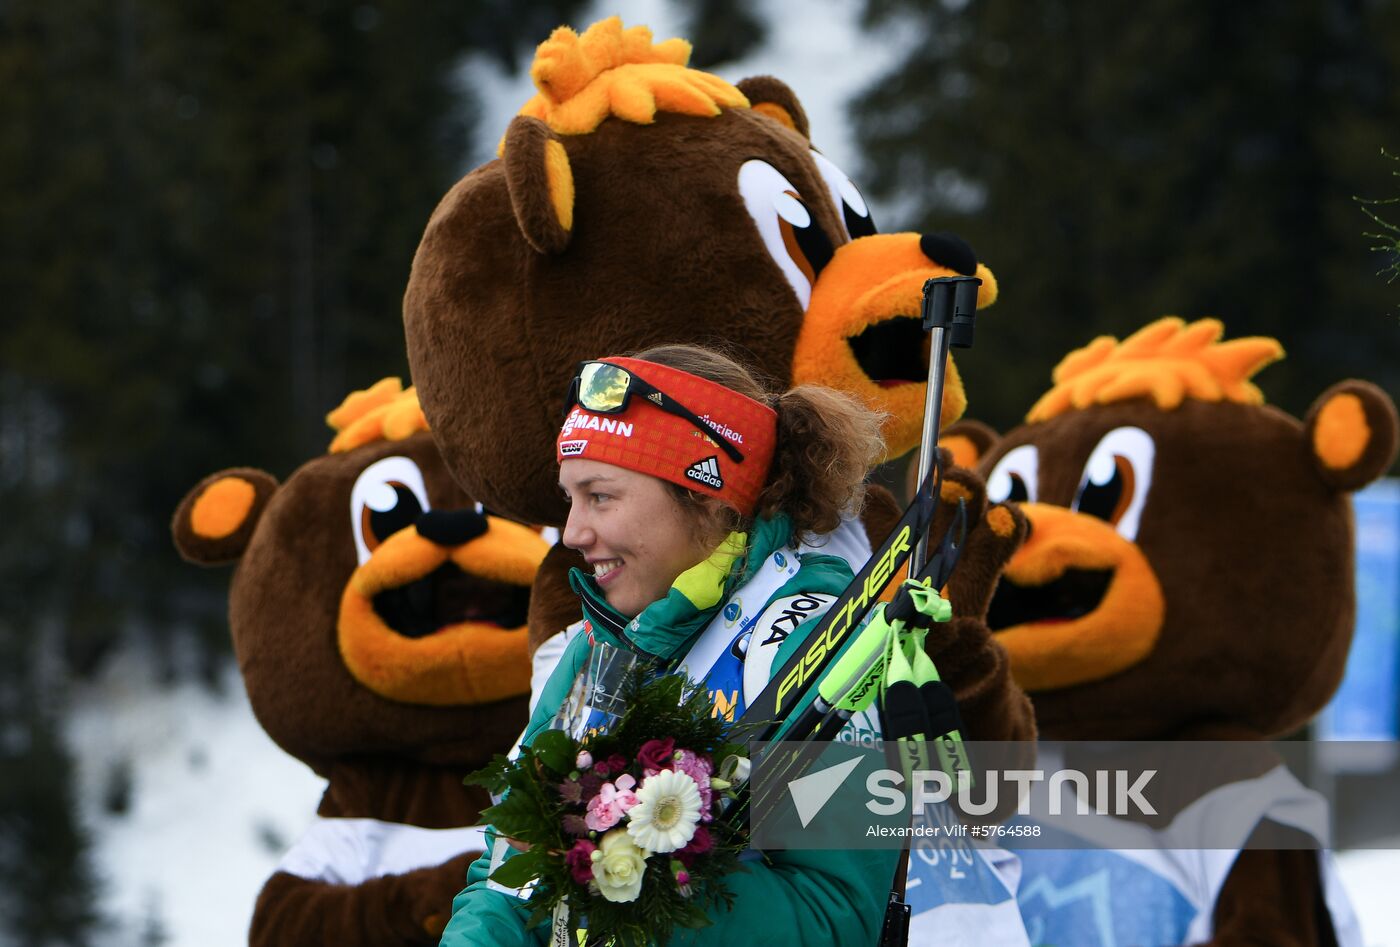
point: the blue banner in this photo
(1365, 707)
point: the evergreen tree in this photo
(721, 31)
(48, 892)
(1116, 162)
(1387, 233)
(210, 212)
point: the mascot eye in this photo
(794, 240)
(1014, 477)
(388, 495)
(1116, 479)
(855, 213)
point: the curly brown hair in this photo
(826, 443)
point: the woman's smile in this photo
(606, 570)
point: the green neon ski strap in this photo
(854, 680)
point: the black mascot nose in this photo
(950, 250)
(451, 527)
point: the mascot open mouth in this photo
(1077, 602)
(448, 596)
(424, 623)
(1073, 595)
(862, 333)
(893, 353)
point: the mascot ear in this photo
(541, 184)
(216, 519)
(1351, 434)
(772, 97)
(968, 441)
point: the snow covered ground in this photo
(213, 804)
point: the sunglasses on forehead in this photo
(604, 388)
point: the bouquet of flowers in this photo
(617, 823)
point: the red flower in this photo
(580, 861)
(657, 754)
(611, 766)
(699, 844)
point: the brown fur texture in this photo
(528, 181)
(1249, 534)
(663, 249)
(774, 93)
(410, 909)
(392, 760)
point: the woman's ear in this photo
(1351, 433)
(215, 520)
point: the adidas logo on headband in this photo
(707, 472)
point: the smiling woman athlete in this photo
(691, 488)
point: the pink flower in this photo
(612, 802)
(580, 861)
(584, 760)
(678, 871)
(698, 768)
(656, 755)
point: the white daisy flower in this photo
(667, 810)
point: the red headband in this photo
(649, 440)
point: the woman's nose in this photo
(577, 533)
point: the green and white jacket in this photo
(733, 618)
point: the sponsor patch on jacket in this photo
(780, 619)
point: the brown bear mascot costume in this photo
(379, 622)
(639, 202)
(1188, 576)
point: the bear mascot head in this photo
(1191, 550)
(1188, 576)
(639, 202)
(378, 618)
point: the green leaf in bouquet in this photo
(520, 868)
(693, 915)
(524, 813)
(555, 750)
(492, 776)
(668, 690)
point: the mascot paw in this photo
(993, 535)
(990, 544)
